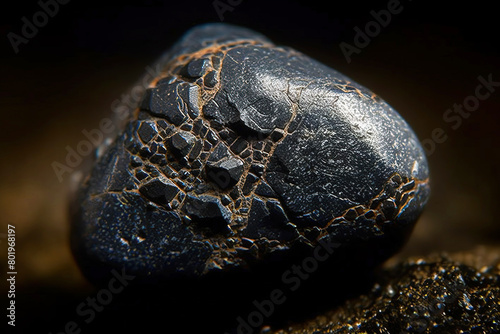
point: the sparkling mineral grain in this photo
(242, 153)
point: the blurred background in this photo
(65, 79)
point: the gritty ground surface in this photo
(457, 293)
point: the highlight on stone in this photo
(243, 152)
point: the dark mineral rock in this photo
(241, 144)
(435, 294)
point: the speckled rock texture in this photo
(244, 153)
(458, 293)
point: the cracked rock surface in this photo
(240, 153)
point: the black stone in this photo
(145, 152)
(263, 189)
(203, 131)
(147, 131)
(208, 211)
(298, 152)
(350, 214)
(189, 93)
(211, 79)
(258, 169)
(197, 126)
(249, 182)
(181, 143)
(257, 155)
(133, 144)
(135, 161)
(277, 134)
(162, 124)
(268, 219)
(153, 147)
(389, 208)
(164, 101)
(206, 147)
(196, 68)
(239, 145)
(225, 173)
(157, 158)
(161, 149)
(246, 153)
(225, 200)
(229, 136)
(212, 137)
(159, 190)
(220, 152)
(196, 150)
(210, 110)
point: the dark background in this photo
(65, 79)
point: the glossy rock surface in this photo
(243, 152)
